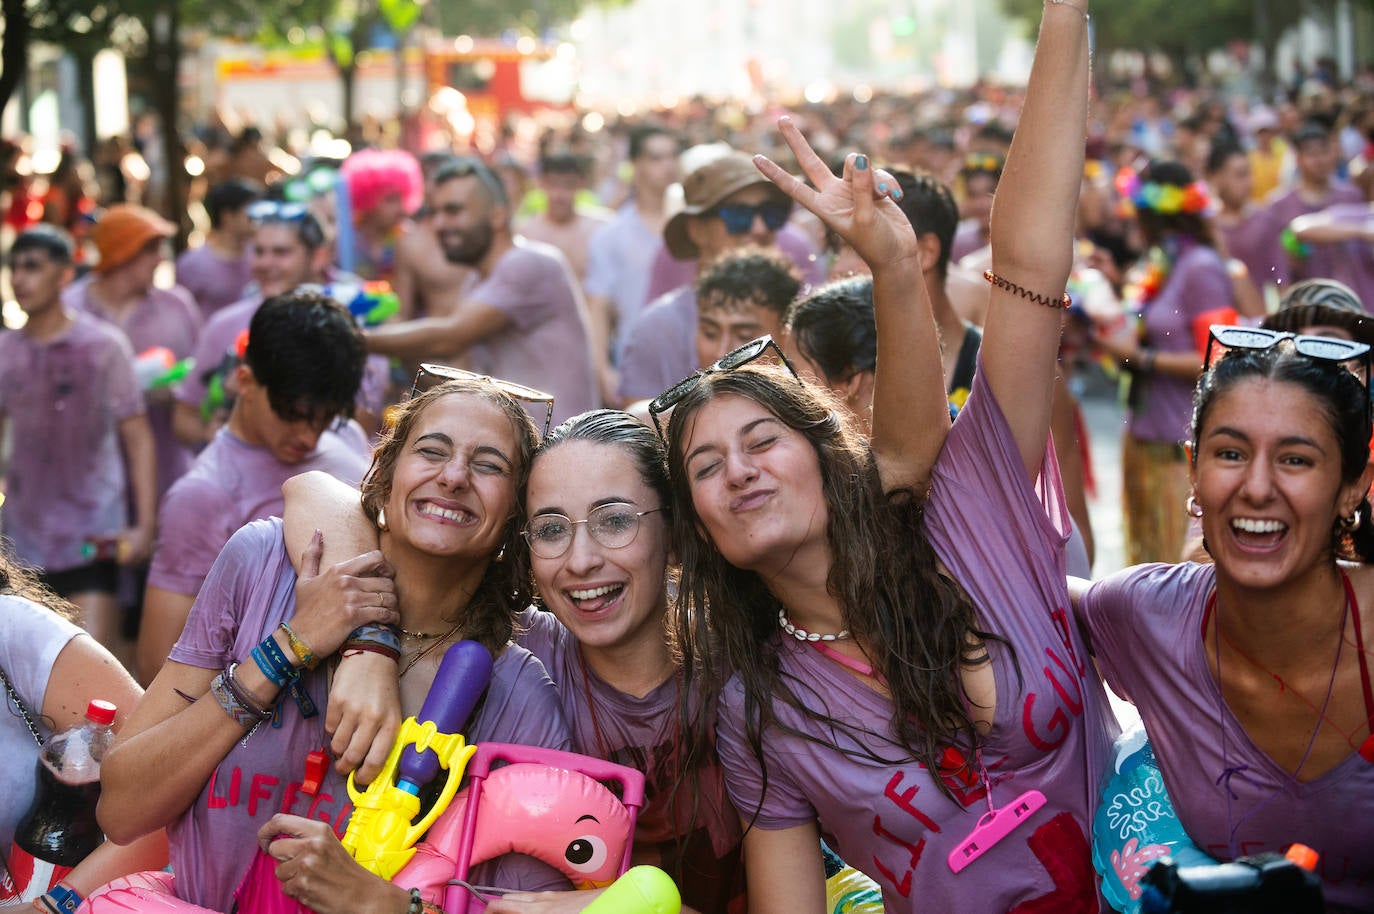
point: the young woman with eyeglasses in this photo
(890, 627)
(598, 532)
(1251, 672)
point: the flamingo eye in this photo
(586, 854)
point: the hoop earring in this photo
(1192, 507)
(381, 519)
(1352, 523)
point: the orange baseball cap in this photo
(123, 230)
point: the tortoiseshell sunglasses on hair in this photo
(433, 375)
(736, 358)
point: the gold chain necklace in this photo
(428, 649)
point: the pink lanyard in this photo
(993, 825)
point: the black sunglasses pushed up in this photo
(1320, 348)
(433, 375)
(736, 358)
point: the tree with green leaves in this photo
(1186, 31)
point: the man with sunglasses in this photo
(524, 319)
(729, 205)
(288, 249)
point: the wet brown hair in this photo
(505, 586)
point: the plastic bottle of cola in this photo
(60, 828)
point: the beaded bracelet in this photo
(1062, 302)
(240, 715)
(298, 647)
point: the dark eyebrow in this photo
(487, 449)
(588, 816)
(1288, 441)
(599, 503)
(746, 429)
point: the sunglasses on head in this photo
(433, 375)
(1321, 348)
(739, 217)
(736, 358)
(270, 212)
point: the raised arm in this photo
(1032, 228)
(319, 501)
(910, 411)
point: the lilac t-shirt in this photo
(1002, 537)
(667, 272)
(249, 591)
(1251, 241)
(661, 348)
(546, 345)
(642, 733)
(212, 280)
(619, 258)
(1146, 629)
(1162, 405)
(165, 317)
(64, 400)
(230, 484)
(1323, 258)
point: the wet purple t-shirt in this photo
(661, 347)
(213, 281)
(1002, 537)
(1146, 629)
(546, 345)
(1322, 260)
(642, 733)
(64, 399)
(1162, 405)
(249, 591)
(230, 484)
(165, 317)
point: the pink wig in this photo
(374, 173)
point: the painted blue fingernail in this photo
(882, 188)
(897, 194)
(861, 162)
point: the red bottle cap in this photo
(1303, 856)
(100, 712)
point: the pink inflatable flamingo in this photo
(547, 804)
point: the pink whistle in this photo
(995, 825)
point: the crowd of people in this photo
(810, 397)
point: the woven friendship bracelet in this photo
(243, 696)
(1061, 302)
(237, 712)
(298, 647)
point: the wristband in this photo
(243, 696)
(353, 649)
(1147, 361)
(298, 647)
(271, 659)
(375, 633)
(239, 714)
(59, 899)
